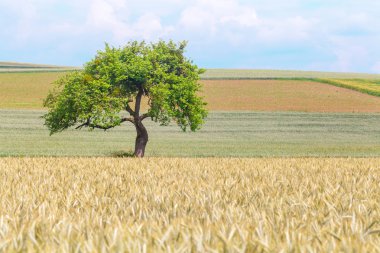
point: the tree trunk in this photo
(141, 139)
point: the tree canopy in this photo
(117, 79)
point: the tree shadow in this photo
(123, 153)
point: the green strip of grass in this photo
(226, 74)
(225, 134)
(33, 70)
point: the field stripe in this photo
(248, 74)
(225, 134)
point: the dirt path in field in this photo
(279, 95)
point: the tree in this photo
(118, 79)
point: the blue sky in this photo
(326, 35)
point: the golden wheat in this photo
(189, 205)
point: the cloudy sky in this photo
(327, 35)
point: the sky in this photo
(322, 35)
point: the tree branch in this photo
(84, 124)
(100, 127)
(129, 109)
(144, 116)
(89, 124)
(80, 126)
(138, 101)
(128, 119)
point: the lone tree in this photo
(117, 79)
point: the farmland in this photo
(236, 74)
(248, 118)
(268, 181)
(244, 134)
(184, 205)
(286, 95)
(27, 91)
(371, 87)
(11, 67)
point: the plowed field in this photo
(285, 95)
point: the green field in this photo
(226, 74)
(210, 74)
(236, 134)
(10, 67)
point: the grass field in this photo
(4, 64)
(189, 205)
(248, 134)
(27, 91)
(10, 67)
(225, 74)
(209, 74)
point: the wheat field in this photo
(189, 205)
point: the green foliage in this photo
(82, 98)
(113, 80)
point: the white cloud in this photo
(102, 14)
(214, 15)
(149, 27)
(112, 16)
(348, 52)
(246, 18)
(289, 29)
(25, 15)
(333, 35)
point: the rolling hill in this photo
(276, 113)
(25, 85)
(30, 67)
(236, 74)
(210, 74)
